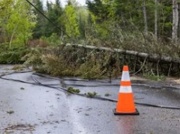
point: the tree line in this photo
(104, 22)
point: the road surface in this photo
(28, 106)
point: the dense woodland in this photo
(150, 26)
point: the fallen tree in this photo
(93, 62)
(155, 64)
(155, 57)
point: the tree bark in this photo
(154, 57)
(175, 21)
(145, 17)
(156, 19)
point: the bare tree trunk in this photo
(154, 57)
(145, 17)
(156, 18)
(175, 21)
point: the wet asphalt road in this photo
(32, 109)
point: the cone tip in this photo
(125, 68)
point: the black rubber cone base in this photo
(119, 113)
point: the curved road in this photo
(31, 109)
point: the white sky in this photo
(63, 2)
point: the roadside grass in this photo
(154, 77)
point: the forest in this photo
(36, 35)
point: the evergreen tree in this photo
(54, 13)
(99, 9)
(39, 30)
(71, 22)
(83, 14)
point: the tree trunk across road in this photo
(155, 57)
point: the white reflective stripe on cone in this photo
(125, 76)
(125, 89)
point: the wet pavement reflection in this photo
(36, 109)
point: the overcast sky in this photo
(63, 2)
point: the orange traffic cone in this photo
(125, 104)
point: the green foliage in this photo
(91, 94)
(100, 9)
(154, 77)
(53, 64)
(91, 64)
(18, 67)
(83, 21)
(71, 22)
(128, 15)
(12, 56)
(16, 23)
(68, 62)
(54, 13)
(33, 58)
(73, 90)
(89, 70)
(39, 29)
(53, 40)
(48, 63)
